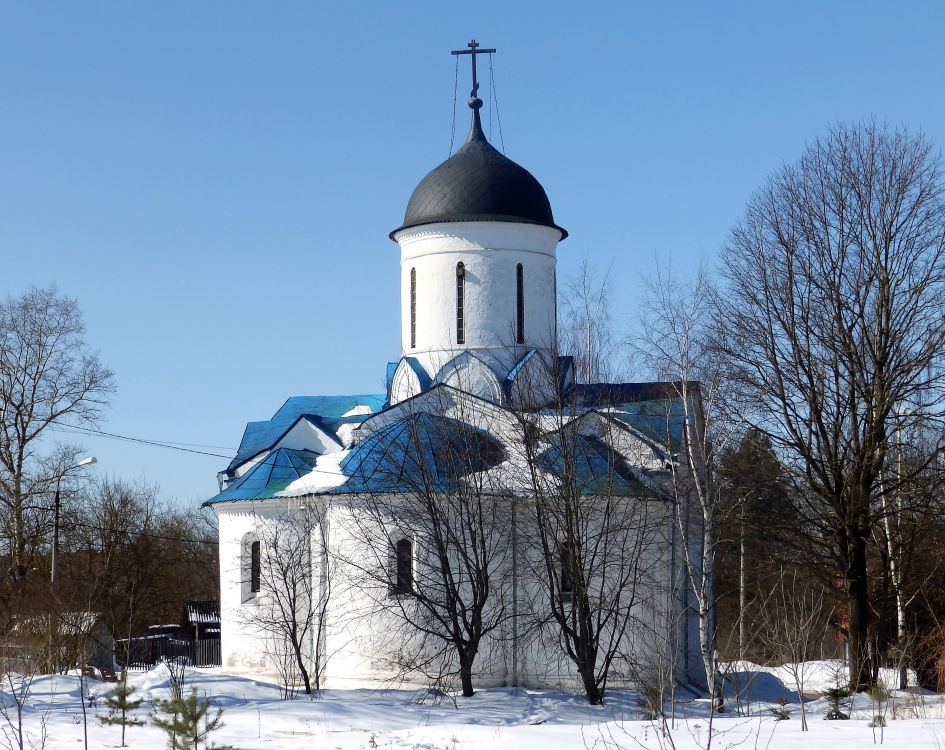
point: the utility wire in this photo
(76, 429)
(495, 98)
(455, 89)
(126, 532)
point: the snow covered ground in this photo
(256, 718)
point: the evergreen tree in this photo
(188, 722)
(120, 703)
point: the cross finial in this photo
(473, 50)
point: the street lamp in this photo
(88, 461)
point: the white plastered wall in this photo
(361, 640)
(490, 252)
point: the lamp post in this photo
(55, 546)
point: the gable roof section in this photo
(325, 411)
(271, 475)
(653, 409)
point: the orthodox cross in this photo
(473, 51)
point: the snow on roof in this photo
(326, 475)
(415, 444)
(202, 612)
(66, 623)
(330, 411)
(273, 474)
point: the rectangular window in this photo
(460, 302)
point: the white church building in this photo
(485, 499)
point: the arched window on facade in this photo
(519, 304)
(460, 303)
(403, 567)
(566, 579)
(255, 565)
(413, 308)
(250, 567)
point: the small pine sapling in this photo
(188, 720)
(837, 701)
(120, 704)
(781, 712)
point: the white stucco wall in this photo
(490, 252)
(362, 640)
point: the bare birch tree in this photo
(586, 331)
(675, 346)
(832, 319)
(48, 377)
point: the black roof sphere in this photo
(478, 183)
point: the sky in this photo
(214, 182)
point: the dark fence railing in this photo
(144, 653)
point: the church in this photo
(487, 520)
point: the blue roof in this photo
(654, 409)
(327, 412)
(271, 475)
(593, 466)
(419, 452)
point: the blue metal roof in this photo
(594, 467)
(327, 411)
(271, 475)
(419, 452)
(654, 409)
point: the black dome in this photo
(478, 183)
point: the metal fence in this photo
(145, 653)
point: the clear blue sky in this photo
(214, 182)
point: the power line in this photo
(165, 537)
(76, 429)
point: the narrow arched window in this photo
(460, 303)
(566, 579)
(403, 567)
(413, 308)
(519, 304)
(255, 565)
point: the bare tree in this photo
(586, 330)
(432, 549)
(832, 320)
(16, 682)
(48, 377)
(675, 346)
(294, 582)
(794, 621)
(599, 547)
